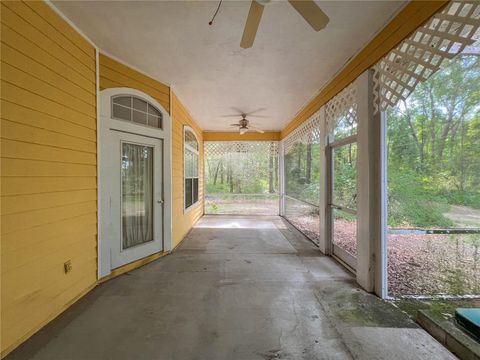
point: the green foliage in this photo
(465, 198)
(344, 215)
(302, 172)
(434, 147)
(345, 176)
(411, 203)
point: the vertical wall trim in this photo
(281, 178)
(365, 184)
(168, 242)
(324, 241)
(381, 274)
(99, 195)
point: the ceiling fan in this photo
(244, 126)
(308, 9)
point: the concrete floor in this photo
(237, 288)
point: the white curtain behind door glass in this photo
(137, 194)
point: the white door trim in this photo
(105, 124)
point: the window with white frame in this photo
(191, 166)
(134, 109)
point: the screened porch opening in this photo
(433, 147)
(241, 177)
(301, 169)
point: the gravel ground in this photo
(425, 264)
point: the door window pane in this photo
(153, 121)
(121, 112)
(345, 175)
(344, 202)
(139, 117)
(139, 104)
(123, 100)
(345, 231)
(136, 110)
(137, 194)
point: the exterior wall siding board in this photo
(48, 169)
(183, 221)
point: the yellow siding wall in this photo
(114, 74)
(48, 169)
(182, 223)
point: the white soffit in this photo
(288, 63)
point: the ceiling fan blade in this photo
(235, 125)
(257, 116)
(251, 113)
(239, 116)
(256, 129)
(311, 13)
(251, 26)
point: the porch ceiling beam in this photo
(235, 136)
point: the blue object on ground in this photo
(469, 319)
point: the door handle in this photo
(160, 201)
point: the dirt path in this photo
(464, 216)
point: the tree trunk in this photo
(276, 173)
(222, 172)
(270, 174)
(444, 135)
(308, 170)
(216, 174)
(414, 135)
(230, 177)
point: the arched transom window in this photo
(191, 167)
(137, 110)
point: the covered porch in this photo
(238, 287)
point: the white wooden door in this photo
(134, 224)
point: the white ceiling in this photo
(287, 65)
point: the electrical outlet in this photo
(67, 266)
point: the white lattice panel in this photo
(446, 34)
(342, 105)
(308, 133)
(220, 148)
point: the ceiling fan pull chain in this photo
(216, 12)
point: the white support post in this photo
(369, 215)
(380, 127)
(281, 177)
(325, 240)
